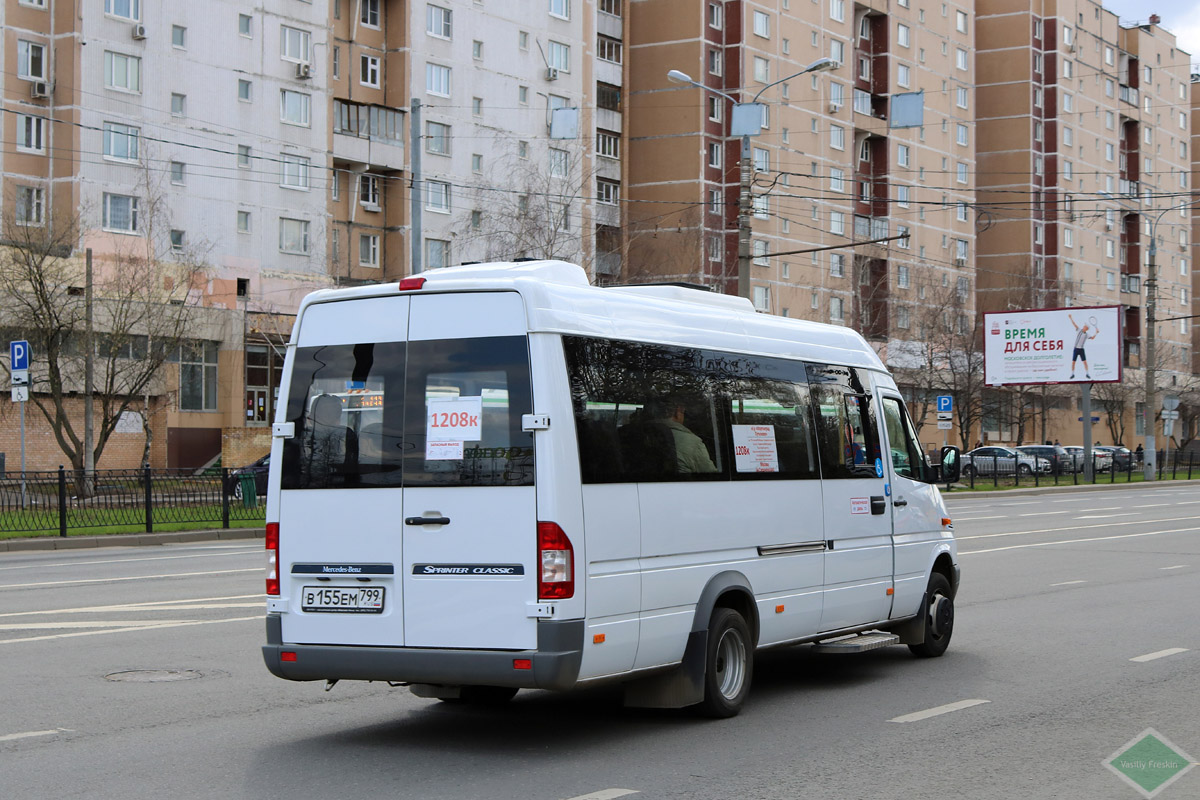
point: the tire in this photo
(237, 490)
(1024, 470)
(483, 695)
(939, 621)
(968, 471)
(728, 664)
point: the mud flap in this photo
(912, 631)
(680, 687)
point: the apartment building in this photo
(882, 146)
(1084, 136)
(179, 134)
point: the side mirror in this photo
(951, 466)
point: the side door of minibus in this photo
(470, 515)
(916, 514)
(340, 495)
(858, 524)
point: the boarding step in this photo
(856, 642)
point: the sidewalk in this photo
(127, 539)
(963, 491)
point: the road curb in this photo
(128, 539)
(968, 493)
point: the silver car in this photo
(1103, 459)
(1002, 461)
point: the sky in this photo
(1180, 17)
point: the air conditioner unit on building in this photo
(1071, 47)
(39, 90)
(960, 262)
(551, 73)
(139, 32)
(835, 107)
(304, 71)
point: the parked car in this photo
(1102, 460)
(1122, 457)
(258, 469)
(1060, 460)
(1002, 460)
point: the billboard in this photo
(1052, 345)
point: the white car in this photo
(1102, 459)
(1002, 461)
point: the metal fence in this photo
(56, 501)
(1002, 471)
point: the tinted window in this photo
(362, 415)
(907, 458)
(845, 422)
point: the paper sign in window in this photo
(754, 448)
(452, 421)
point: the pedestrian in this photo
(1056, 441)
(1047, 441)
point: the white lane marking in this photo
(9, 737)
(127, 629)
(91, 623)
(1074, 541)
(973, 519)
(917, 716)
(605, 794)
(133, 578)
(156, 605)
(1070, 528)
(1067, 583)
(1177, 566)
(1160, 654)
(1045, 513)
(1109, 516)
(1030, 503)
(88, 563)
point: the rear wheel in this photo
(728, 664)
(968, 471)
(1024, 470)
(237, 489)
(939, 618)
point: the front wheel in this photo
(939, 618)
(1024, 470)
(968, 471)
(728, 664)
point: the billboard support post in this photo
(1086, 404)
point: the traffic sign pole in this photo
(18, 364)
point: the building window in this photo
(762, 298)
(961, 133)
(837, 265)
(714, 109)
(760, 253)
(837, 137)
(120, 213)
(608, 192)
(962, 172)
(762, 160)
(836, 309)
(121, 72)
(31, 206)
(293, 236)
(477, 50)
(178, 173)
(294, 107)
(369, 71)
(523, 40)
(837, 223)
(762, 70)
(608, 97)
(559, 56)
(608, 49)
(437, 138)
(178, 104)
(178, 36)
(560, 8)
(198, 376)
(960, 58)
(243, 156)
(438, 197)
(902, 198)
(125, 9)
(762, 24)
(715, 17)
(960, 23)
(961, 97)
(368, 192)
(608, 144)
(437, 253)
(368, 250)
(177, 244)
(902, 75)
(476, 163)
(837, 10)
(837, 180)
(903, 280)
(245, 25)
(837, 51)
(714, 201)
(244, 90)
(294, 172)
(294, 44)
(31, 134)
(437, 80)
(370, 13)
(437, 21)
(559, 163)
(243, 221)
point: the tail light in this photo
(556, 560)
(272, 539)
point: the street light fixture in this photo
(745, 122)
(1150, 402)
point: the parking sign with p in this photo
(18, 354)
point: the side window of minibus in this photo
(771, 430)
(907, 459)
(847, 439)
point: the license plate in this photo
(342, 599)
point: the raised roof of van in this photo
(558, 298)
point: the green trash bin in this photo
(249, 490)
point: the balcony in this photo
(371, 135)
(1128, 94)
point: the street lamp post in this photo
(746, 121)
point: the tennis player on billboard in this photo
(1081, 339)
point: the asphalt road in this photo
(136, 673)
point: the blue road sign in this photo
(18, 354)
(1094, 419)
(945, 402)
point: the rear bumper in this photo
(555, 661)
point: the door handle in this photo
(878, 504)
(899, 503)
(427, 521)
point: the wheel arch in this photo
(729, 589)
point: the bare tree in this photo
(140, 314)
(1114, 399)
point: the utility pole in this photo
(416, 201)
(1149, 404)
(89, 458)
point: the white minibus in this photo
(493, 477)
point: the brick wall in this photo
(242, 446)
(42, 450)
